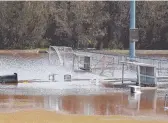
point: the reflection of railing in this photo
(166, 101)
(12, 103)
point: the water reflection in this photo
(146, 103)
(134, 101)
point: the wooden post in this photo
(123, 73)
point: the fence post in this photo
(123, 73)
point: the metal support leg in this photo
(73, 62)
(122, 73)
(138, 75)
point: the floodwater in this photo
(93, 101)
(119, 103)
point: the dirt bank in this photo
(42, 116)
(33, 51)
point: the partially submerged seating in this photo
(5, 79)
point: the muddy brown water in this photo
(145, 104)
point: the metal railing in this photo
(160, 63)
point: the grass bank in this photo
(115, 52)
(138, 52)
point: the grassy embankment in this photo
(138, 52)
(122, 52)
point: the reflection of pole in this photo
(107, 109)
(50, 103)
(11, 102)
(155, 101)
(132, 26)
(86, 108)
(60, 104)
(139, 102)
(138, 75)
(57, 104)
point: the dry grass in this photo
(161, 53)
(145, 52)
(123, 52)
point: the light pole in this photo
(132, 26)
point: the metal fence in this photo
(160, 63)
(102, 62)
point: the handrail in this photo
(58, 52)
